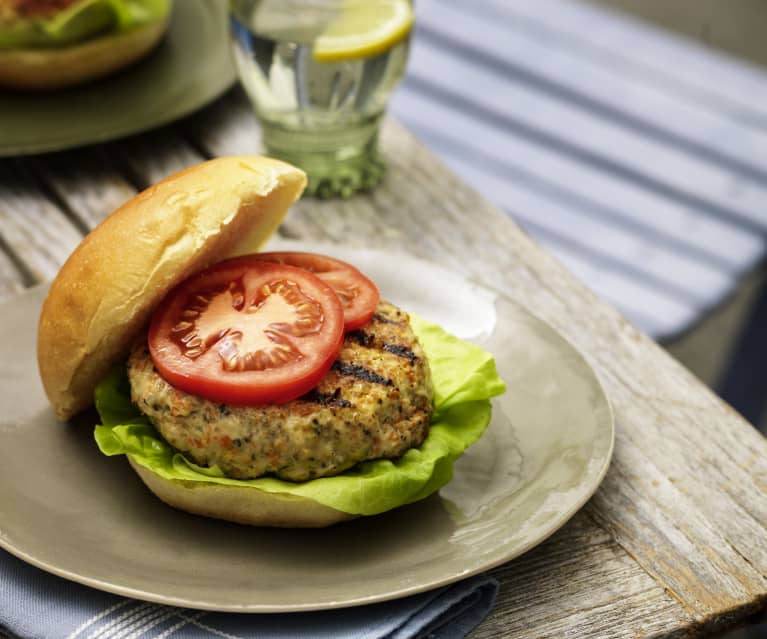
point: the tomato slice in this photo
(358, 294)
(246, 331)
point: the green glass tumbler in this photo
(319, 74)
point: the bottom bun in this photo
(241, 505)
(58, 67)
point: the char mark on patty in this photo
(362, 338)
(400, 351)
(370, 340)
(333, 399)
(383, 319)
(360, 372)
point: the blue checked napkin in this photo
(37, 605)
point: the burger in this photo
(50, 44)
(265, 388)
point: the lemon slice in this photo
(364, 28)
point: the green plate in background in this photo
(190, 68)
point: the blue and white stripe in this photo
(637, 157)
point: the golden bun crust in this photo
(58, 67)
(241, 505)
(105, 293)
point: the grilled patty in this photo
(374, 403)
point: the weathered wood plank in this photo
(147, 159)
(578, 562)
(226, 127)
(35, 230)
(701, 529)
(673, 543)
(86, 180)
(12, 280)
(685, 521)
(633, 604)
(665, 498)
(39, 231)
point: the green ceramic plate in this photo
(71, 511)
(190, 68)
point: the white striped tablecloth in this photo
(635, 155)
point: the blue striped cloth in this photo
(637, 157)
(38, 605)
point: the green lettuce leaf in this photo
(82, 20)
(464, 378)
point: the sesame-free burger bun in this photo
(105, 293)
(243, 505)
(58, 67)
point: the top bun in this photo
(102, 298)
(59, 67)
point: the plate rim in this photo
(221, 85)
(498, 559)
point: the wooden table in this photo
(674, 543)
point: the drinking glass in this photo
(319, 74)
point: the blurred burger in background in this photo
(51, 44)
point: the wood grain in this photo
(674, 542)
(149, 159)
(12, 280)
(86, 180)
(697, 527)
(38, 233)
(598, 582)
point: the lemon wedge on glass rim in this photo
(363, 29)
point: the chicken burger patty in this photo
(374, 403)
